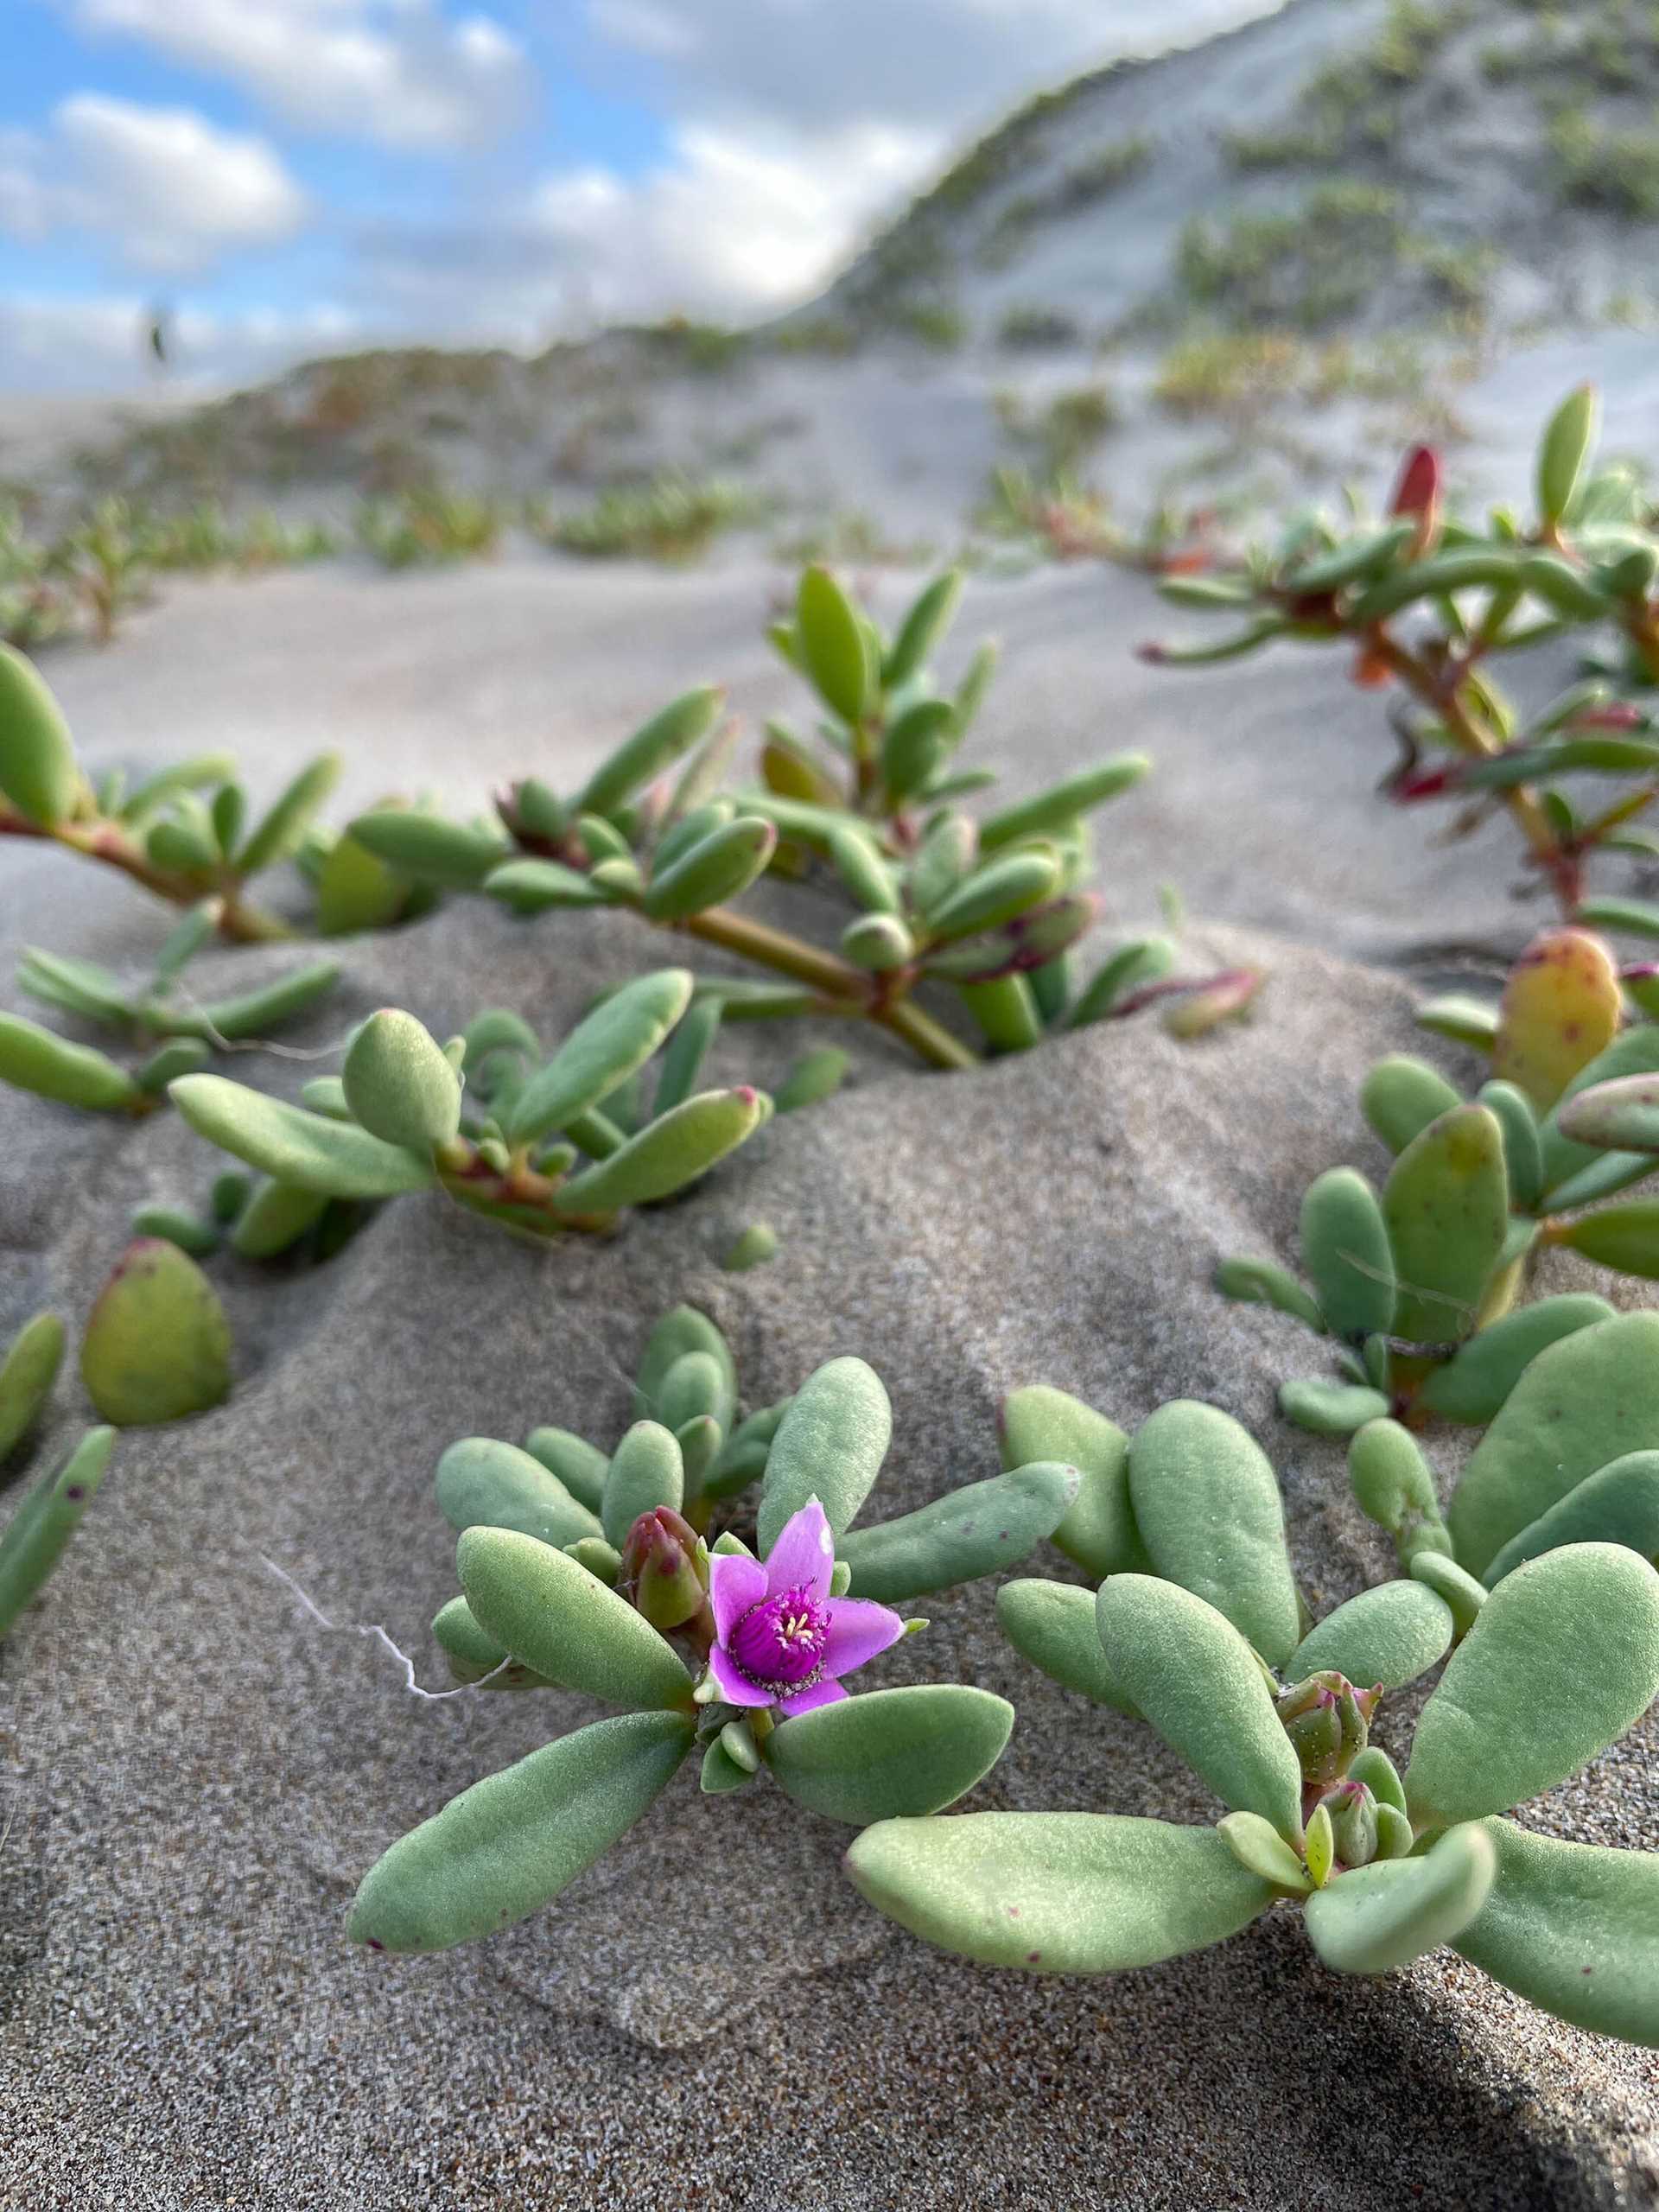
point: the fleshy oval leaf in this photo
(1561, 1660)
(508, 1846)
(1058, 1893)
(551, 1613)
(979, 1529)
(830, 1446)
(1207, 1505)
(1373, 1919)
(890, 1753)
(1188, 1670)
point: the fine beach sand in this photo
(195, 1774)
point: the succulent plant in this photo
(560, 1146)
(1418, 1284)
(39, 1532)
(175, 1030)
(182, 833)
(1193, 1499)
(157, 1344)
(587, 1574)
(1549, 1668)
(1465, 593)
(35, 1537)
(1572, 1456)
(990, 909)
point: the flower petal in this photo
(736, 1583)
(824, 1693)
(859, 1628)
(805, 1554)
(736, 1688)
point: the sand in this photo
(195, 1774)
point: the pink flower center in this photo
(778, 1644)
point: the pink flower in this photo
(779, 1637)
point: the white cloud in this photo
(821, 61)
(165, 188)
(741, 222)
(393, 71)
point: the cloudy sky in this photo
(293, 176)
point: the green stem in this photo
(106, 841)
(1473, 739)
(849, 987)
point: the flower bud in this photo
(662, 1576)
(1353, 1822)
(1327, 1720)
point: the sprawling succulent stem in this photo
(103, 840)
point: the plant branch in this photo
(848, 987)
(106, 841)
(1476, 742)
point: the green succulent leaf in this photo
(930, 616)
(1005, 887)
(253, 1013)
(830, 1445)
(1574, 1927)
(977, 1530)
(720, 867)
(450, 855)
(1058, 1893)
(1474, 1383)
(1624, 1238)
(555, 1617)
(1401, 1095)
(667, 1154)
(581, 1466)
(38, 1060)
(604, 1049)
(1394, 1487)
(1391, 1635)
(40, 1531)
(1374, 1918)
(27, 1375)
(1052, 811)
(890, 1753)
(274, 1218)
(835, 646)
(1618, 1504)
(1345, 1247)
(654, 747)
(646, 1471)
(1098, 1531)
(1185, 1668)
(306, 1151)
(157, 1344)
(1052, 1625)
(1207, 1505)
(399, 1085)
(1446, 1205)
(474, 1653)
(1582, 1403)
(1264, 1282)
(1328, 1408)
(37, 754)
(484, 1483)
(1259, 1847)
(508, 1846)
(1562, 1659)
(277, 833)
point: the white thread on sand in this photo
(374, 1629)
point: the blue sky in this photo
(294, 176)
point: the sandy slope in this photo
(195, 1775)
